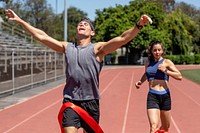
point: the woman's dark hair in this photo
(150, 54)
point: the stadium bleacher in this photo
(22, 62)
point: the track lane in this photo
(18, 116)
(114, 100)
(186, 106)
(122, 109)
(137, 119)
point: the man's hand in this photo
(144, 19)
(11, 15)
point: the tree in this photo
(194, 13)
(168, 5)
(17, 6)
(44, 18)
(6, 4)
(74, 17)
(111, 22)
(188, 9)
(179, 27)
(6, 1)
(38, 12)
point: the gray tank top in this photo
(82, 73)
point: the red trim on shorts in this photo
(82, 113)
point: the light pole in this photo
(65, 21)
(56, 7)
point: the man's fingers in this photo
(10, 15)
(147, 18)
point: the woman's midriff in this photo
(158, 85)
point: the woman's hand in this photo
(162, 67)
(138, 84)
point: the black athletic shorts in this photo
(71, 118)
(159, 100)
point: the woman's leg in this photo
(154, 119)
(165, 120)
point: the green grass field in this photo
(193, 75)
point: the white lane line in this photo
(175, 125)
(127, 105)
(172, 119)
(26, 99)
(27, 119)
(109, 84)
(186, 94)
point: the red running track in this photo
(123, 107)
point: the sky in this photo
(90, 6)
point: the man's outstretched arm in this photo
(37, 33)
(110, 46)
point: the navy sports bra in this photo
(152, 71)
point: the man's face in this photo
(84, 28)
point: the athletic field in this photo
(123, 107)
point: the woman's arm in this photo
(142, 80)
(170, 69)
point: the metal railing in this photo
(13, 30)
(26, 68)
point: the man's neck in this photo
(83, 42)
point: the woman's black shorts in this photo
(158, 100)
(71, 118)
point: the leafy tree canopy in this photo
(111, 22)
(170, 25)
